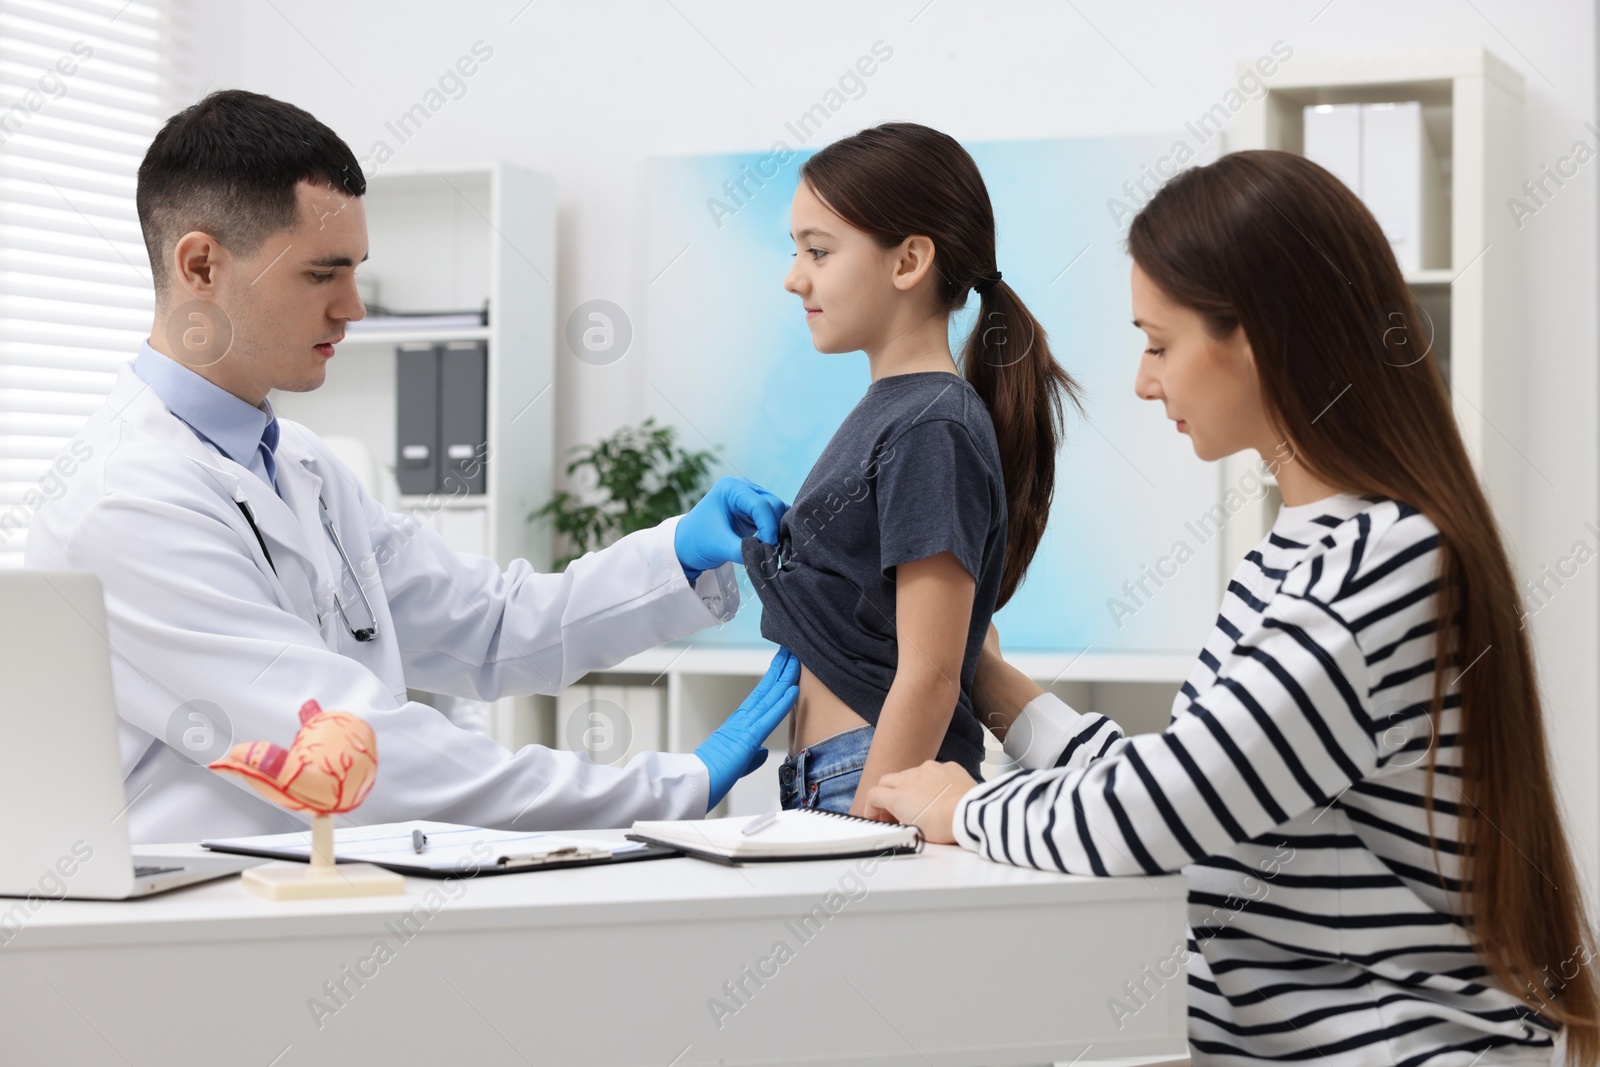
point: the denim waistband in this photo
(844, 751)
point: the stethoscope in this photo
(365, 633)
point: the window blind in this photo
(84, 86)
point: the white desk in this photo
(945, 960)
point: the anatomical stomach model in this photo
(328, 770)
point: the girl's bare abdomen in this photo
(818, 714)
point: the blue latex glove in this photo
(734, 750)
(735, 508)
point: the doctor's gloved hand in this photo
(734, 750)
(734, 509)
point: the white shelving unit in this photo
(1472, 110)
(454, 239)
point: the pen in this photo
(760, 822)
(418, 840)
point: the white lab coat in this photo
(196, 613)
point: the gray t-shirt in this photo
(914, 470)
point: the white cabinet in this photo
(611, 723)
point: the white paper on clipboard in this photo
(450, 847)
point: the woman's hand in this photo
(924, 797)
(862, 808)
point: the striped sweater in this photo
(1289, 789)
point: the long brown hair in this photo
(1274, 243)
(900, 179)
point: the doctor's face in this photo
(1208, 386)
(290, 301)
(841, 275)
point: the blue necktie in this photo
(267, 445)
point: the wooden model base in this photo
(321, 877)
(299, 881)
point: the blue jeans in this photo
(826, 774)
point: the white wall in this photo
(586, 91)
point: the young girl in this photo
(922, 514)
(1355, 780)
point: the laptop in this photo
(63, 809)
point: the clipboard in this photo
(453, 850)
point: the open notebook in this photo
(795, 834)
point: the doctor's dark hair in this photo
(228, 166)
(1273, 244)
(902, 179)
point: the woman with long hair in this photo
(922, 513)
(1354, 779)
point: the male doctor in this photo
(212, 525)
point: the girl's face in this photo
(1209, 387)
(845, 281)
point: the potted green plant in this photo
(641, 476)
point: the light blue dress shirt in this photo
(245, 434)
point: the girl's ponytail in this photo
(1008, 363)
